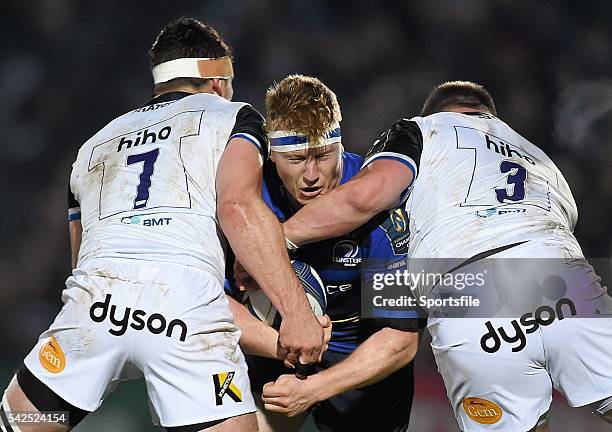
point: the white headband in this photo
(206, 68)
(288, 141)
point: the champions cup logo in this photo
(345, 252)
(397, 230)
(482, 411)
(399, 221)
(51, 356)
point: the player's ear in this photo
(220, 89)
(273, 156)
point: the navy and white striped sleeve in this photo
(74, 208)
(250, 125)
(403, 142)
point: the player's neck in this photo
(185, 89)
(461, 109)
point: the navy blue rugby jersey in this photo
(339, 260)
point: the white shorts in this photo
(508, 386)
(172, 324)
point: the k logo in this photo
(224, 386)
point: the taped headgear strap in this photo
(205, 68)
(288, 141)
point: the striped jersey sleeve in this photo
(250, 126)
(403, 142)
(74, 208)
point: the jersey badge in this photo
(397, 230)
(225, 387)
(51, 356)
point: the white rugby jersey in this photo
(144, 185)
(478, 185)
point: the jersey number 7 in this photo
(142, 191)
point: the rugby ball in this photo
(261, 307)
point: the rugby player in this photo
(368, 363)
(484, 191)
(146, 294)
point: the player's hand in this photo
(327, 332)
(242, 279)
(301, 338)
(290, 395)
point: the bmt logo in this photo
(543, 316)
(482, 411)
(144, 137)
(345, 252)
(140, 220)
(156, 323)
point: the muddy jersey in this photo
(144, 185)
(478, 185)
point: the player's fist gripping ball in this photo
(261, 307)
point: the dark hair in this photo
(458, 93)
(187, 37)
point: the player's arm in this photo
(75, 228)
(383, 353)
(259, 339)
(388, 171)
(256, 338)
(257, 240)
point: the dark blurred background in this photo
(68, 67)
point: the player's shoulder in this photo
(351, 164)
(458, 119)
(213, 102)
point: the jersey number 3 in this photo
(515, 188)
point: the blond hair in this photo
(303, 105)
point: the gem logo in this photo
(482, 411)
(51, 356)
(224, 386)
(345, 252)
